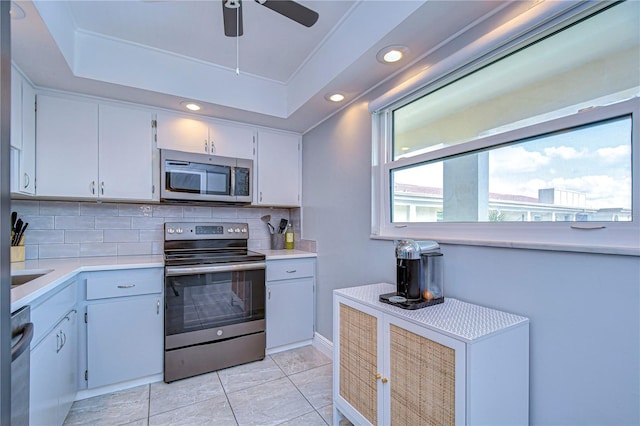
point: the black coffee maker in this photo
(418, 275)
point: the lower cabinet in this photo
(54, 360)
(124, 325)
(290, 301)
(448, 364)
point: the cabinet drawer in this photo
(287, 269)
(126, 282)
(47, 314)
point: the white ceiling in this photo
(160, 53)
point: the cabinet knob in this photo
(378, 376)
(385, 380)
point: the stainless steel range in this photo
(214, 298)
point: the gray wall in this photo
(584, 308)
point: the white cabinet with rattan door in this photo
(449, 364)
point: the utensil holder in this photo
(277, 241)
(17, 253)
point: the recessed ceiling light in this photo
(16, 11)
(190, 106)
(391, 54)
(335, 97)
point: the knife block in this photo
(17, 253)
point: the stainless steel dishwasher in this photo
(21, 335)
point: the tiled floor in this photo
(287, 388)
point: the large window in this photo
(536, 147)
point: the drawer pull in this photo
(292, 271)
(126, 285)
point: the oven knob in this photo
(237, 229)
(244, 230)
(230, 230)
(179, 230)
(219, 332)
(170, 231)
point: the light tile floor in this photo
(287, 388)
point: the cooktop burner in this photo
(203, 243)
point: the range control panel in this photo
(205, 231)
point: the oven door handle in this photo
(194, 270)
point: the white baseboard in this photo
(89, 393)
(323, 344)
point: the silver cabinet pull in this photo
(26, 180)
(206, 147)
(102, 188)
(213, 147)
(92, 187)
(269, 294)
(260, 196)
(58, 340)
(292, 271)
(126, 285)
(158, 307)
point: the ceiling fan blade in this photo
(292, 10)
(232, 16)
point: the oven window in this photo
(203, 301)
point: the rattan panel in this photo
(422, 380)
(359, 361)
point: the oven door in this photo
(213, 302)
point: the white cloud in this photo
(565, 152)
(516, 159)
(613, 154)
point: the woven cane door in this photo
(359, 361)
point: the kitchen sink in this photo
(23, 277)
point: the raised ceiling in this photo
(160, 53)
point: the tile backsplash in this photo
(77, 229)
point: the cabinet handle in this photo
(213, 147)
(126, 285)
(269, 294)
(64, 339)
(92, 187)
(26, 180)
(158, 307)
(102, 188)
(58, 345)
(292, 271)
(260, 196)
(206, 147)
(378, 376)
(385, 380)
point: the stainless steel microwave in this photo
(199, 177)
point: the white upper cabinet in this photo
(23, 135)
(278, 169)
(86, 150)
(187, 134)
(125, 153)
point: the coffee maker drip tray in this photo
(396, 299)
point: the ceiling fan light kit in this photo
(232, 14)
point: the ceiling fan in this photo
(232, 14)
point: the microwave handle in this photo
(233, 181)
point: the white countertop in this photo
(64, 269)
(460, 320)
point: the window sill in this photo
(525, 245)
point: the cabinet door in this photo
(358, 353)
(289, 312)
(231, 141)
(125, 153)
(44, 381)
(67, 154)
(16, 109)
(182, 134)
(27, 177)
(68, 364)
(278, 169)
(426, 376)
(124, 340)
